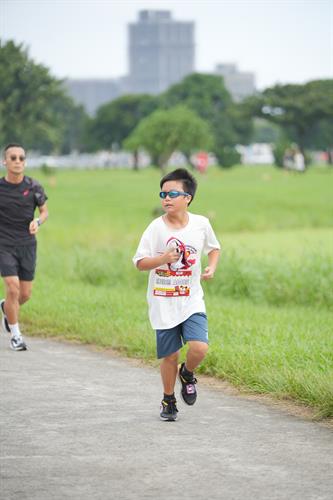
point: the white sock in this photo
(15, 330)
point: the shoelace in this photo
(186, 381)
(171, 406)
(17, 339)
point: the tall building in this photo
(93, 92)
(161, 51)
(239, 83)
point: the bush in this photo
(228, 157)
(279, 151)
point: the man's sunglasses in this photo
(172, 194)
(14, 158)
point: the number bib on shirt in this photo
(169, 283)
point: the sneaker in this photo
(4, 321)
(168, 410)
(188, 391)
(17, 343)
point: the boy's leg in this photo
(195, 354)
(195, 333)
(168, 343)
(169, 371)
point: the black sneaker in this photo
(17, 343)
(188, 391)
(168, 410)
(4, 321)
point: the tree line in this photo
(197, 113)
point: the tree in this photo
(208, 97)
(265, 131)
(166, 131)
(35, 109)
(299, 109)
(115, 120)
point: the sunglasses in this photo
(14, 158)
(172, 194)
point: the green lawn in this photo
(270, 305)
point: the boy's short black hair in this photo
(12, 145)
(181, 174)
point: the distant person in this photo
(19, 196)
(299, 163)
(288, 159)
(171, 249)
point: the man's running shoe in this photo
(168, 410)
(188, 391)
(4, 321)
(17, 343)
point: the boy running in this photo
(171, 249)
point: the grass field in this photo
(270, 305)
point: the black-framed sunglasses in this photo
(173, 194)
(14, 158)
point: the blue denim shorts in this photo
(172, 339)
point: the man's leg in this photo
(17, 292)
(12, 305)
(25, 291)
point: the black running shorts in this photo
(18, 261)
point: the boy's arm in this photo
(213, 258)
(149, 263)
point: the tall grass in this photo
(272, 280)
(307, 281)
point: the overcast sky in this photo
(279, 40)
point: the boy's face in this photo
(178, 204)
(14, 160)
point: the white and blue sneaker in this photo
(17, 343)
(4, 321)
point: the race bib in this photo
(172, 283)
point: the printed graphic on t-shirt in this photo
(176, 281)
(172, 283)
(186, 254)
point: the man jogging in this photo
(19, 196)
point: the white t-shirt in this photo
(174, 291)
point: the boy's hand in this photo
(170, 256)
(208, 274)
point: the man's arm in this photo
(43, 215)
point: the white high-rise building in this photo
(239, 83)
(161, 51)
(93, 92)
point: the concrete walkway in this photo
(79, 424)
